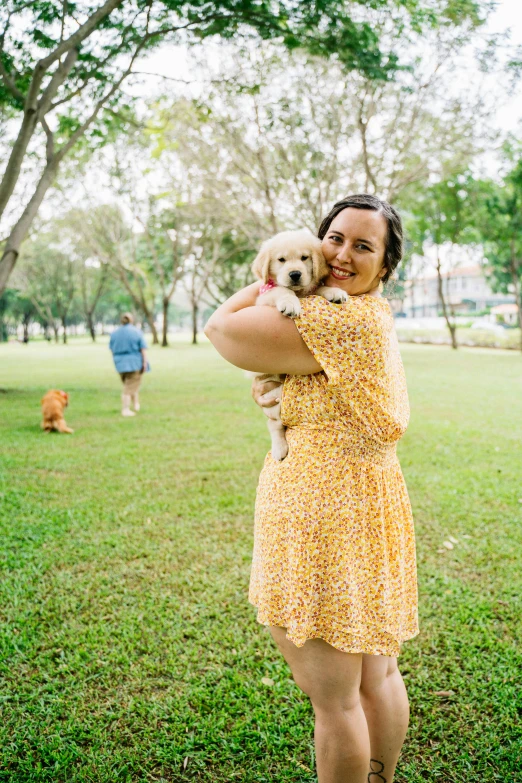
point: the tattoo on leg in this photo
(374, 775)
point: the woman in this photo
(129, 348)
(333, 572)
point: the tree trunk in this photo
(90, 325)
(194, 323)
(26, 330)
(19, 232)
(164, 339)
(64, 324)
(451, 326)
(18, 150)
(150, 320)
(56, 333)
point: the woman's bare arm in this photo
(259, 339)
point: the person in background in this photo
(129, 348)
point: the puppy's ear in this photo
(319, 265)
(261, 263)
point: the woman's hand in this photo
(265, 393)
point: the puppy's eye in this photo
(304, 258)
(282, 260)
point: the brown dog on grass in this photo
(53, 405)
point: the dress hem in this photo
(393, 649)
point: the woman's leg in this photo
(126, 394)
(331, 679)
(136, 382)
(385, 704)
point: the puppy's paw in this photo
(289, 307)
(333, 294)
(279, 450)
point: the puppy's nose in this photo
(294, 276)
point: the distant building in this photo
(466, 290)
(505, 314)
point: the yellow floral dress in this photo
(334, 545)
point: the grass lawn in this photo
(129, 649)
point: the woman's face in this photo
(354, 248)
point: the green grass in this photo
(128, 644)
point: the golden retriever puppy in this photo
(53, 405)
(291, 265)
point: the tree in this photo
(110, 237)
(48, 278)
(93, 279)
(63, 66)
(500, 221)
(445, 216)
(93, 272)
(23, 311)
(169, 242)
(15, 309)
(279, 137)
(5, 305)
(232, 270)
(201, 265)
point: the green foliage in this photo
(48, 277)
(443, 212)
(8, 310)
(128, 644)
(500, 211)
(233, 269)
(325, 28)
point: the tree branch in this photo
(59, 76)
(76, 38)
(49, 147)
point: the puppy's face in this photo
(292, 270)
(292, 259)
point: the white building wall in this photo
(467, 292)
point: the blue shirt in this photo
(126, 344)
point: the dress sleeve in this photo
(334, 334)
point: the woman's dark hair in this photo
(394, 237)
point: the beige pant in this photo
(131, 382)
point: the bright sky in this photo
(508, 16)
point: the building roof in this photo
(504, 309)
(462, 271)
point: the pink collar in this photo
(267, 286)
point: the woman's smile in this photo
(341, 274)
